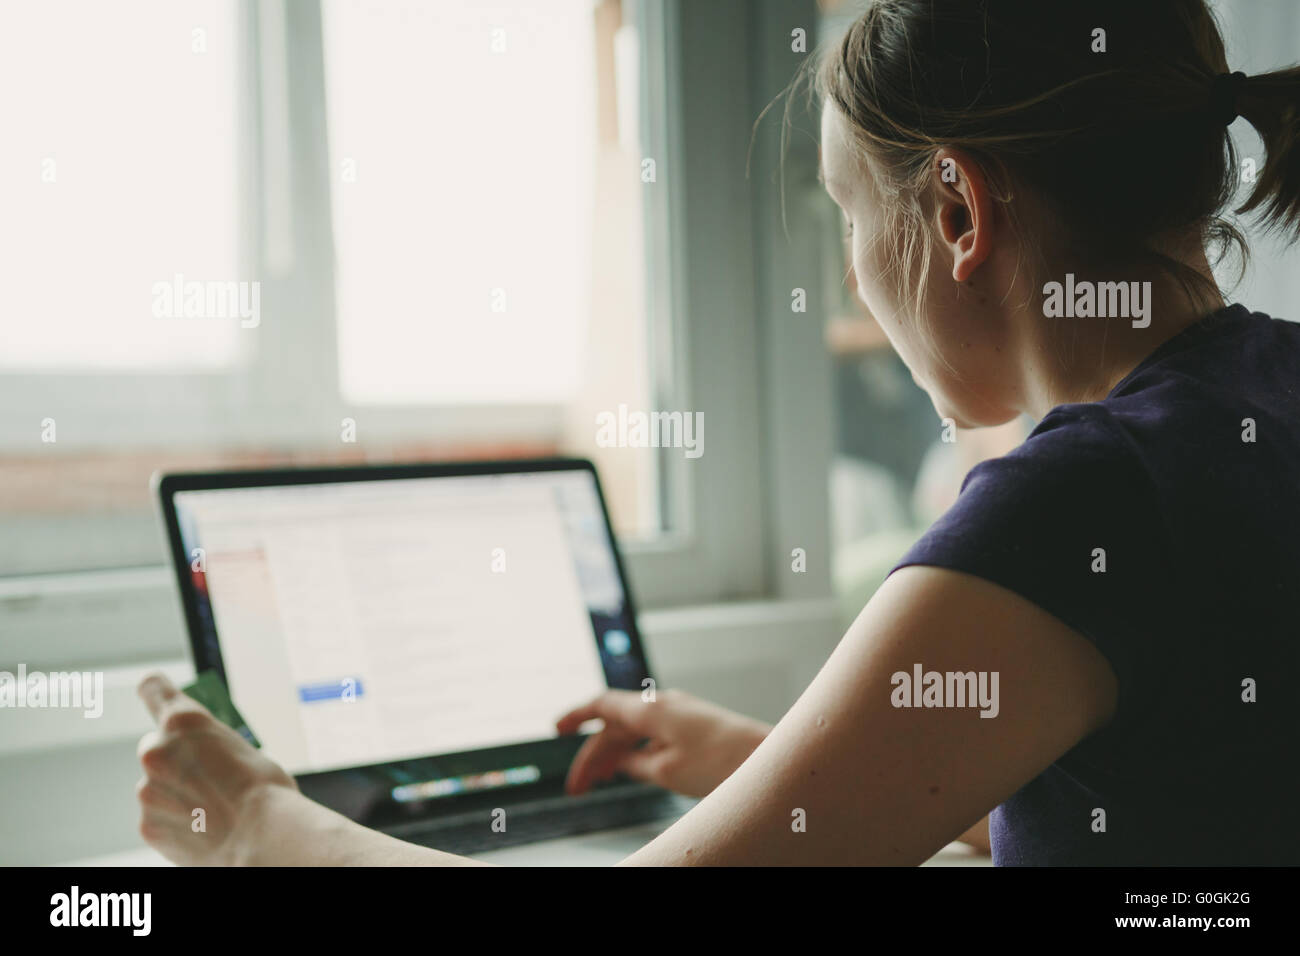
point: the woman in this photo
(1098, 638)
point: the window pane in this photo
(486, 196)
(463, 144)
(442, 165)
(118, 173)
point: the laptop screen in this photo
(366, 622)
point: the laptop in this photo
(402, 638)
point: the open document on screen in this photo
(370, 621)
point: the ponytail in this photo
(1270, 102)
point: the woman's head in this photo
(980, 147)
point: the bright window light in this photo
(118, 173)
(462, 150)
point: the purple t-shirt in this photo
(1187, 476)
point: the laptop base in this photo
(545, 819)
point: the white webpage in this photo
(366, 622)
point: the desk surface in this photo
(589, 849)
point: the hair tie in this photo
(1224, 91)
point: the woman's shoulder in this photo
(1233, 365)
(1077, 450)
(1201, 399)
(1078, 482)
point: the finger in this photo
(157, 691)
(575, 718)
(597, 758)
(180, 714)
(622, 707)
(163, 831)
(184, 715)
(158, 799)
(580, 778)
(646, 766)
(182, 744)
(150, 741)
(164, 757)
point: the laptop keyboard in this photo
(544, 820)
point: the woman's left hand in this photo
(202, 780)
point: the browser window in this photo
(372, 621)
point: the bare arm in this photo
(252, 811)
(872, 783)
(290, 830)
(978, 837)
(878, 784)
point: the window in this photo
(689, 311)
(112, 186)
(453, 261)
(464, 149)
(265, 221)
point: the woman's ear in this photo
(963, 211)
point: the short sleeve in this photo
(1070, 522)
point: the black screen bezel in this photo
(362, 792)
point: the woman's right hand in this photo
(690, 746)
